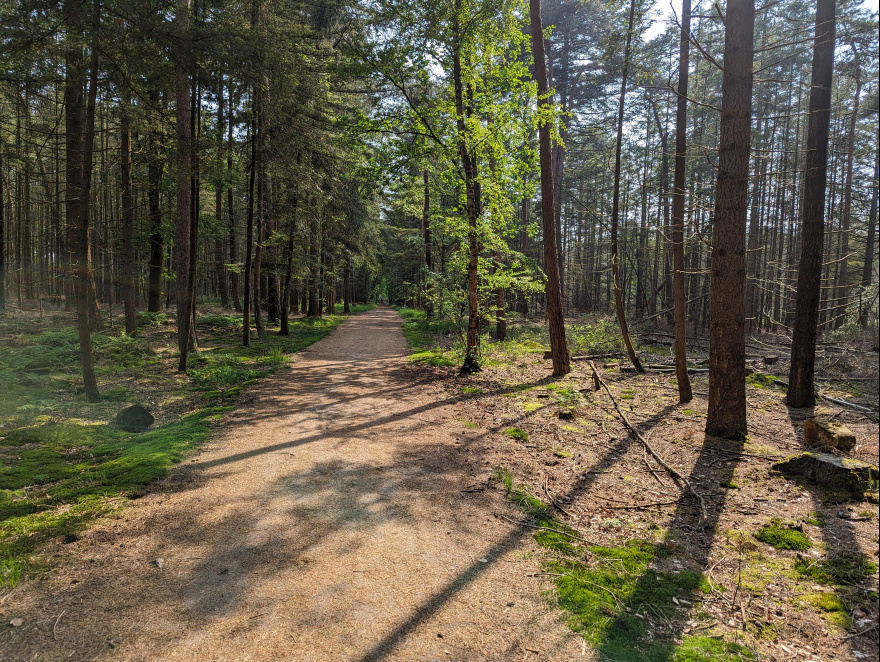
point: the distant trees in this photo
(327, 149)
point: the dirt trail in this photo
(326, 521)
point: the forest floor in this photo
(636, 567)
(330, 517)
(358, 505)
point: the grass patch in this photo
(781, 536)
(423, 335)
(615, 598)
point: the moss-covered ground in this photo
(62, 461)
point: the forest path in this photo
(325, 521)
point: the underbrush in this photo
(62, 464)
(438, 342)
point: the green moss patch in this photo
(517, 433)
(830, 608)
(781, 536)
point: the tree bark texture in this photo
(727, 350)
(678, 200)
(806, 319)
(553, 289)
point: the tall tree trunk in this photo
(843, 274)
(249, 241)
(678, 193)
(426, 235)
(219, 252)
(230, 212)
(868, 268)
(127, 230)
(727, 340)
(258, 256)
(2, 239)
(184, 183)
(154, 177)
(615, 200)
(553, 288)
(472, 340)
(284, 329)
(80, 135)
(806, 320)
(346, 287)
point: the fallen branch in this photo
(842, 403)
(648, 446)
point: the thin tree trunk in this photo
(727, 342)
(426, 234)
(184, 192)
(249, 242)
(843, 274)
(553, 288)
(219, 262)
(230, 212)
(678, 193)
(806, 320)
(80, 133)
(127, 230)
(154, 175)
(615, 201)
(868, 268)
(284, 329)
(471, 364)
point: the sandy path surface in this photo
(326, 520)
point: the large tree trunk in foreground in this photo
(727, 341)
(553, 290)
(806, 316)
(678, 288)
(615, 202)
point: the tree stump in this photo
(134, 419)
(828, 436)
(848, 478)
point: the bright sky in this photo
(663, 8)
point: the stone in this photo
(848, 478)
(828, 436)
(134, 419)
